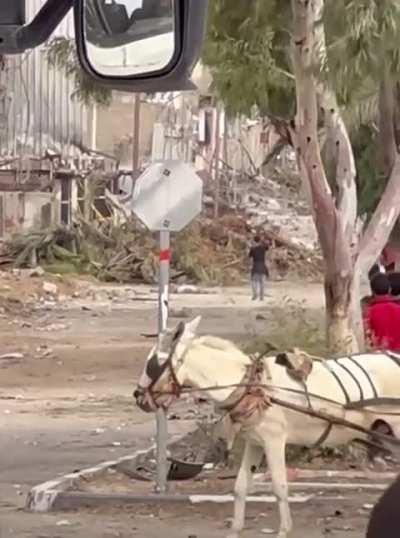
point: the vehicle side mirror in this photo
(140, 45)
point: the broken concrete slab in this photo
(43, 498)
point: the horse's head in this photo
(159, 383)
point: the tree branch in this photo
(274, 152)
(381, 224)
(305, 135)
(337, 136)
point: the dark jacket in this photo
(257, 254)
(382, 323)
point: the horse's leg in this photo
(275, 452)
(251, 456)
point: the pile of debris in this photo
(121, 254)
(211, 252)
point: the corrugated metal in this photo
(36, 109)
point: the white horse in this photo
(181, 360)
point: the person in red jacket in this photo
(382, 316)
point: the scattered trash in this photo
(49, 287)
(63, 523)
(186, 289)
(90, 378)
(53, 327)
(35, 272)
(11, 357)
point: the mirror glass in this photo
(126, 38)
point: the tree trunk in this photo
(347, 252)
(338, 299)
(396, 117)
(356, 311)
(331, 223)
(382, 221)
(345, 331)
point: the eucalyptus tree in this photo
(307, 65)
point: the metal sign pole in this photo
(163, 298)
(167, 196)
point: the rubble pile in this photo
(210, 252)
(119, 254)
(274, 206)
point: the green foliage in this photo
(62, 54)
(247, 51)
(291, 325)
(371, 183)
(362, 40)
(363, 44)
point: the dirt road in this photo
(65, 404)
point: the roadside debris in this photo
(209, 252)
(11, 356)
(10, 359)
(50, 288)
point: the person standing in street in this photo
(259, 271)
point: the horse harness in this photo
(250, 397)
(155, 371)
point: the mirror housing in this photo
(180, 37)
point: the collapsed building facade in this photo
(53, 148)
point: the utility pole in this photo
(183, 128)
(217, 147)
(136, 136)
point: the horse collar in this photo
(249, 397)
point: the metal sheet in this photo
(168, 196)
(37, 111)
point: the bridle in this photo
(154, 371)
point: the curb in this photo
(66, 501)
(46, 496)
(59, 494)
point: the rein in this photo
(249, 386)
(331, 419)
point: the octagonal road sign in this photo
(168, 196)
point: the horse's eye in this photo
(153, 368)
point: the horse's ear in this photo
(193, 325)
